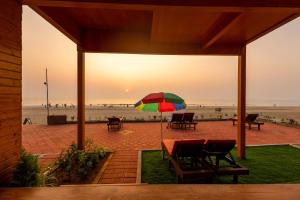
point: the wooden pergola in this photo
(173, 27)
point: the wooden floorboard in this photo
(208, 192)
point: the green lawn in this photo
(267, 164)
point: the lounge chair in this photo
(114, 123)
(27, 120)
(184, 156)
(251, 119)
(216, 150)
(188, 121)
(175, 121)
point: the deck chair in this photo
(114, 123)
(183, 156)
(251, 119)
(215, 151)
(27, 120)
(175, 121)
(188, 121)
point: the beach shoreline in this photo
(277, 114)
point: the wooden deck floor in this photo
(207, 192)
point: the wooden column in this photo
(241, 109)
(80, 98)
(10, 88)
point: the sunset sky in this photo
(272, 75)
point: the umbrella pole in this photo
(162, 151)
(161, 127)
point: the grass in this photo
(267, 164)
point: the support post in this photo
(80, 98)
(241, 109)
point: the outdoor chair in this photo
(27, 120)
(251, 119)
(217, 155)
(184, 156)
(188, 121)
(175, 121)
(114, 123)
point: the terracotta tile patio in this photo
(48, 141)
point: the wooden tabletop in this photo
(200, 191)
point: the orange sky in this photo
(272, 75)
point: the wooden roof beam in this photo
(100, 41)
(202, 3)
(209, 6)
(221, 25)
(71, 30)
(275, 26)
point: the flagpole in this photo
(47, 93)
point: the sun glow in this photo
(127, 66)
(130, 75)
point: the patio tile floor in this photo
(49, 141)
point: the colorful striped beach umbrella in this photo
(160, 102)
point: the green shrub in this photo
(65, 160)
(75, 162)
(27, 172)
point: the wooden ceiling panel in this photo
(112, 19)
(174, 27)
(106, 19)
(181, 26)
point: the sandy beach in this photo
(278, 114)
